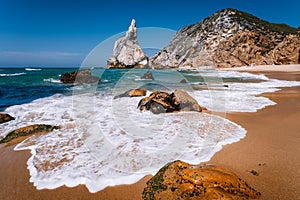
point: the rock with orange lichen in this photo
(132, 93)
(180, 180)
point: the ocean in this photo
(105, 141)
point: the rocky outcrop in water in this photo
(179, 180)
(5, 118)
(127, 53)
(230, 38)
(27, 131)
(163, 102)
(148, 75)
(82, 76)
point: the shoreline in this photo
(265, 68)
(266, 131)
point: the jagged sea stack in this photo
(127, 53)
(230, 38)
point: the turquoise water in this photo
(23, 85)
(18, 85)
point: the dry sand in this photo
(266, 68)
(271, 148)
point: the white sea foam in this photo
(230, 74)
(241, 97)
(106, 142)
(14, 74)
(33, 69)
(52, 80)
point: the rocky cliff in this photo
(230, 38)
(127, 53)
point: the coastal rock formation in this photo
(79, 76)
(180, 180)
(5, 118)
(163, 102)
(148, 75)
(127, 53)
(184, 102)
(230, 38)
(132, 93)
(27, 131)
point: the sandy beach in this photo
(271, 147)
(266, 68)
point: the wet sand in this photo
(271, 147)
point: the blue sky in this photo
(53, 33)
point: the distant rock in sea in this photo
(148, 75)
(230, 38)
(180, 180)
(79, 76)
(127, 53)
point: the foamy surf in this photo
(99, 147)
(107, 142)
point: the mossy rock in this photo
(28, 130)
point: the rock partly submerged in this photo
(148, 75)
(163, 102)
(5, 118)
(27, 131)
(83, 76)
(127, 53)
(180, 180)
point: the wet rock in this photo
(183, 81)
(148, 75)
(127, 53)
(83, 76)
(132, 93)
(180, 180)
(163, 102)
(27, 131)
(184, 102)
(5, 118)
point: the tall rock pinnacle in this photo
(127, 53)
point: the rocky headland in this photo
(230, 38)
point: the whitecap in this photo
(33, 69)
(52, 80)
(14, 74)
